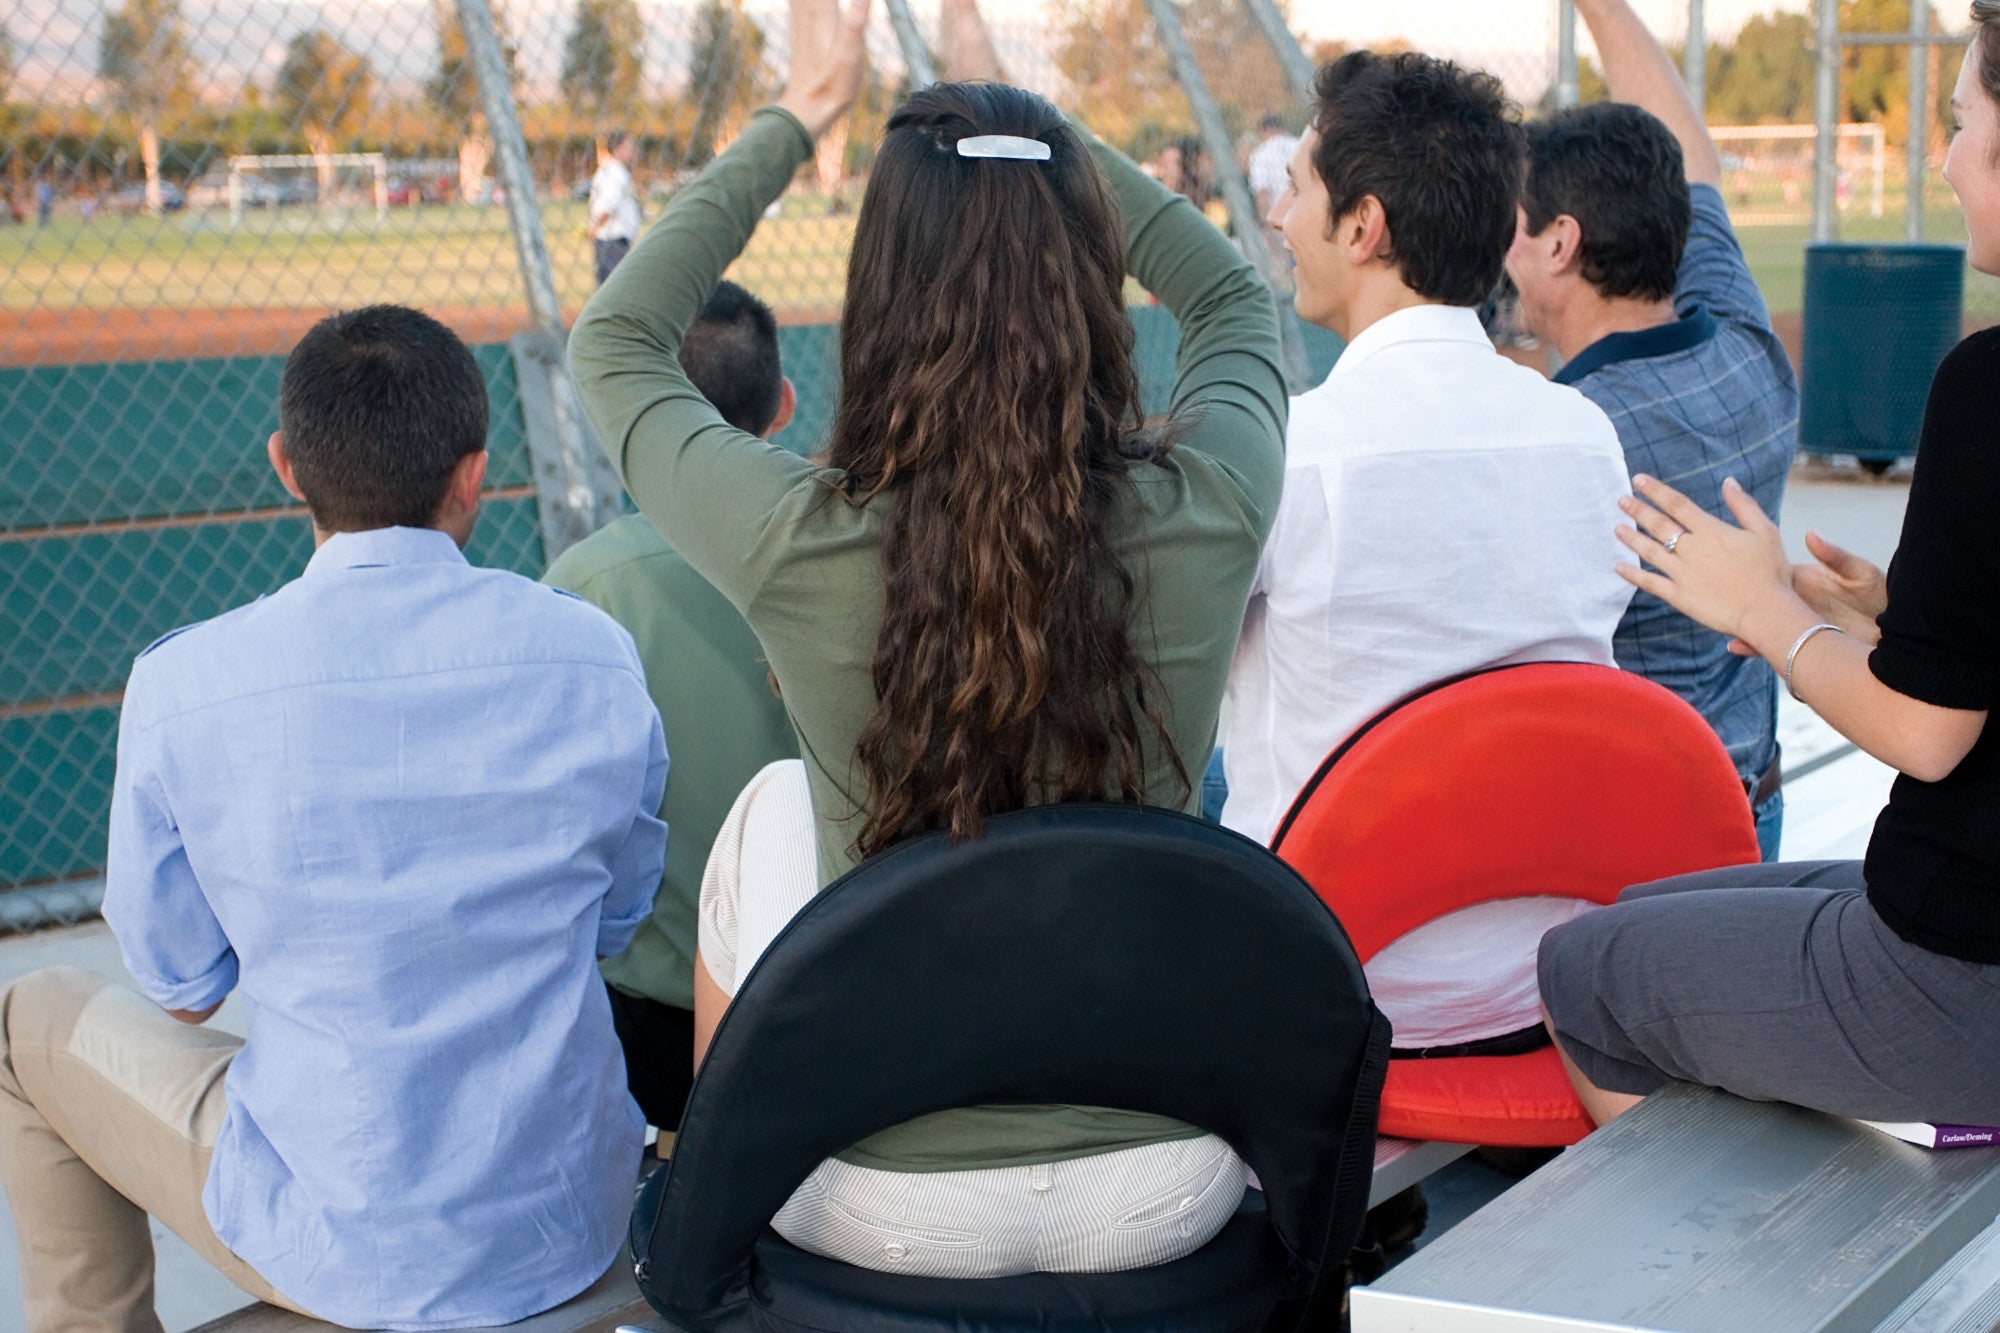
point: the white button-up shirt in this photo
(403, 805)
(1445, 510)
(612, 200)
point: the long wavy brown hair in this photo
(990, 404)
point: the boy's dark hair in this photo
(616, 139)
(731, 354)
(1620, 173)
(377, 406)
(1438, 145)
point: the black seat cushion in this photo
(1096, 955)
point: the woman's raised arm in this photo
(709, 487)
(1228, 385)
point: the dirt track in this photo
(49, 337)
(46, 337)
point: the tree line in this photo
(326, 98)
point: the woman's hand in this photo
(1730, 578)
(829, 54)
(1843, 588)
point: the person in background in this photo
(45, 202)
(708, 678)
(1266, 173)
(1268, 160)
(999, 590)
(1444, 509)
(364, 805)
(1626, 264)
(614, 208)
(1860, 988)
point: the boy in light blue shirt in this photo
(401, 806)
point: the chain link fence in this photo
(187, 185)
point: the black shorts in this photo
(659, 1055)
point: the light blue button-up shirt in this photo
(404, 805)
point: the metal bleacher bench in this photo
(614, 1300)
(1697, 1212)
(1694, 1213)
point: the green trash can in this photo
(1878, 320)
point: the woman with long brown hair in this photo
(998, 591)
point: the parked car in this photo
(132, 199)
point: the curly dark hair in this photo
(1621, 174)
(989, 401)
(1440, 147)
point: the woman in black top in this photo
(1868, 989)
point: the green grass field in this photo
(288, 258)
(464, 257)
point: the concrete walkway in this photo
(1829, 813)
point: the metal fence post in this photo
(1694, 61)
(1920, 119)
(1568, 87)
(1298, 68)
(1235, 190)
(916, 56)
(576, 490)
(1826, 120)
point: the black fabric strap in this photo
(1507, 1043)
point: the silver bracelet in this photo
(1792, 658)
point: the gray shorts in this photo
(1776, 983)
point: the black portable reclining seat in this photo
(1096, 955)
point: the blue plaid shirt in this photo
(1707, 397)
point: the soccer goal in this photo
(1767, 170)
(320, 181)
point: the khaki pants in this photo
(109, 1110)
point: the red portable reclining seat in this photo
(1550, 778)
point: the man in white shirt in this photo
(614, 209)
(1445, 509)
(1268, 161)
(1266, 169)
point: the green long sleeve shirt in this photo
(752, 519)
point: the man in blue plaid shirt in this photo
(1626, 263)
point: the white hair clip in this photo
(1009, 146)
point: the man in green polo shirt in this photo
(707, 675)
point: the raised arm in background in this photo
(968, 51)
(1641, 72)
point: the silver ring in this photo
(1675, 540)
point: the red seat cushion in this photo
(1548, 779)
(1505, 1101)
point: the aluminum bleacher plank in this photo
(1962, 1297)
(1701, 1213)
(1401, 1163)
